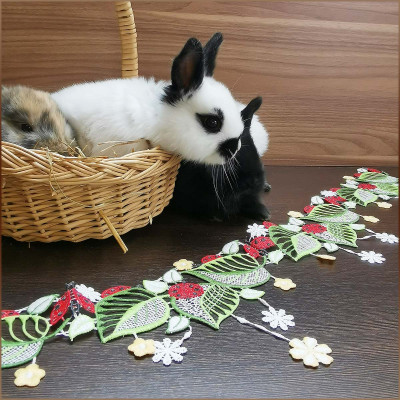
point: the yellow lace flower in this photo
(29, 376)
(183, 264)
(284, 284)
(141, 347)
(310, 352)
(370, 218)
(295, 214)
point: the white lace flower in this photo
(310, 352)
(168, 351)
(372, 257)
(362, 170)
(88, 292)
(257, 230)
(327, 193)
(385, 237)
(279, 318)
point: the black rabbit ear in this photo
(248, 112)
(187, 71)
(211, 51)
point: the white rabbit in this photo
(193, 115)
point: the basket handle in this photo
(127, 30)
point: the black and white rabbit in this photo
(222, 191)
(193, 115)
(32, 119)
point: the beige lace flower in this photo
(349, 178)
(284, 284)
(295, 214)
(310, 352)
(383, 204)
(370, 218)
(326, 259)
(29, 376)
(183, 264)
(141, 347)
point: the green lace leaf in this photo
(177, 324)
(216, 304)
(389, 189)
(331, 213)
(235, 270)
(339, 234)
(295, 245)
(251, 294)
(129, 311)
(80, 325)
(39, 306)
(374, 177)
(17, 352)
(359, 196)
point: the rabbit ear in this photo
(249, 110)
(187, 71)
(210, 52)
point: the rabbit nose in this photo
(228, 148)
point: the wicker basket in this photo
(47, 197)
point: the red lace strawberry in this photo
(357, 175)
(308, 209)
(262, 242)
(209, 258)
(313, 228)
(337, 200)
(113, 290)
(366, 186)
(268, 224)
(72, 300)
(185, 290)
(334, 189)
(8, 313)
(374, 170)
(251, 251)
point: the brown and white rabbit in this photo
(32, 119)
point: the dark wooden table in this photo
(352, 306)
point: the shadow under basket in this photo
(47, 197)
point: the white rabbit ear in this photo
(187, 71)
(211, 51)
(248, 112)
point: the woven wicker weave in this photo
(47, 197)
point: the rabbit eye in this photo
(26, 128)
(211, 123)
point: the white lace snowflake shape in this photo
(372, 257)
(88, 292)
(275, 318)
(327, 193)
(384, 197)
(168, 351)
(362, 170)
(385, 237)
(257, 230)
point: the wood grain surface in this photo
(328, 71)
(352, 306)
